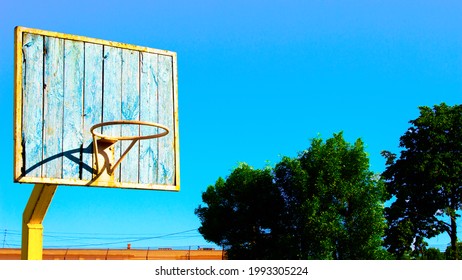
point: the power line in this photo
(79, 240)
(4, 238)
(124, 241)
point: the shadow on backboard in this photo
(70, 154)
(103, 173)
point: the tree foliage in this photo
(334, 201)
(324, 204)
(242, 213)
(425, 180)
(449, 253)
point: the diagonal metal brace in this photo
(32, 228)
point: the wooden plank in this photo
(112, 96)
(130, 111)
(32, 107)
(18, 101)
(96, 183)
(148, 112)
(53, 107)
(73, 108)
(166, 170)
(93, 100)
(94, 41)
(176, 136)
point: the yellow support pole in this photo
(32, 228)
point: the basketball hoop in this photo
(110, 140)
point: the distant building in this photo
(120, 254)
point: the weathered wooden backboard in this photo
(65, 84)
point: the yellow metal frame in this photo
(32, 228)
(18, 59)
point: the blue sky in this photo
(257, 80)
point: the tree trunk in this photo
(455, 252)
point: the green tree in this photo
(425, 180)
(324, 204)
(242, 214)
(434, 254)
(333, 202)
(449, 253)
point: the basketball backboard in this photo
(66, 84)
